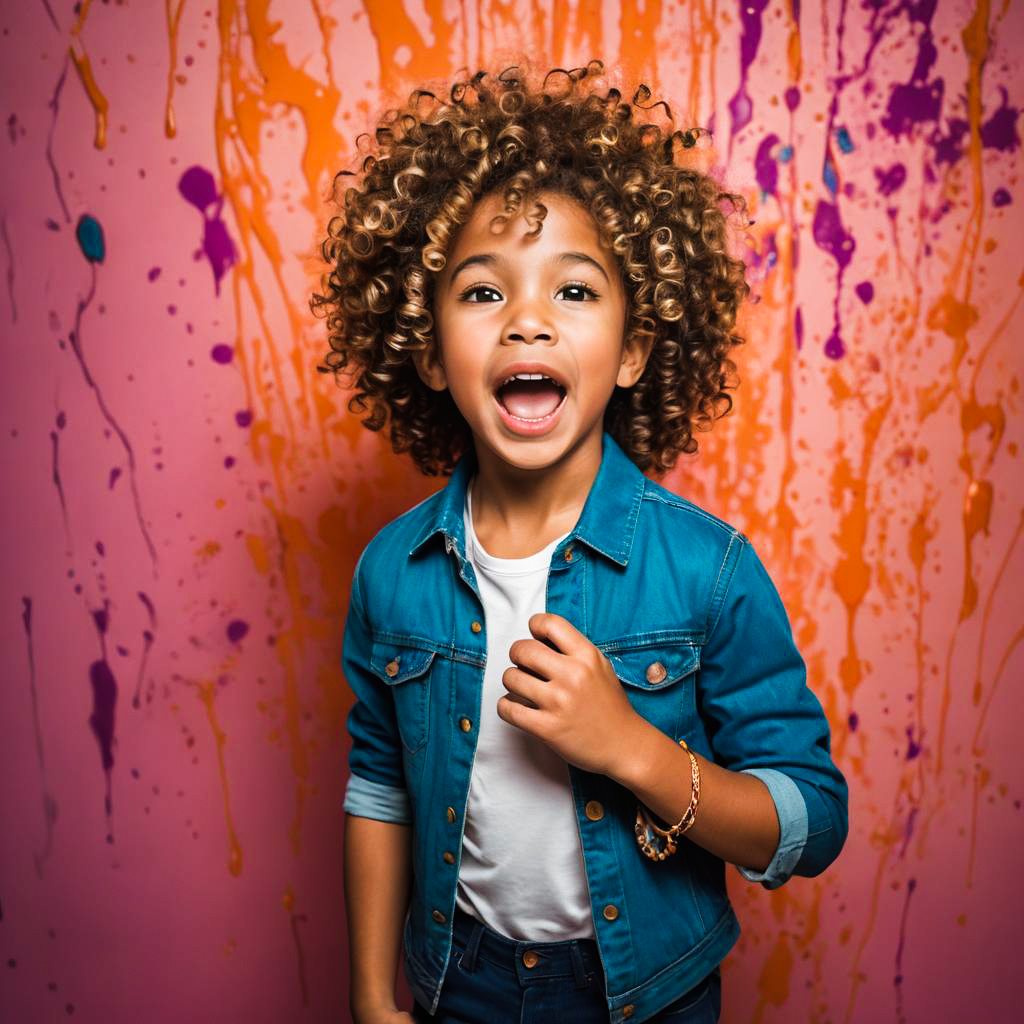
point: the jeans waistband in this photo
(569, 958)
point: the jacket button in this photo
(465, 724)
(594, 810)
(568, 553)
(530, 958)
(656, 672)
(438, 917)
(475, 626)
(611, 912)
(451, 815)
(449, 858)
(391, 667)
(627, 1010)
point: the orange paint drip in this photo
(173, 14)
(92, 90)
(207, 695)
(852, 574)
(977, 513)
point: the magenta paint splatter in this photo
(913, 747)
(229, 461)
(198, 187)
(865, 291)
(244, 417)
(830, 235)
(154, 273)
(1001, 198)
(765, 166)
(1000, 130)
(891, 179)
(853, 721)
(222, 353)
(792, 98)
(237, 629)
(798, 328)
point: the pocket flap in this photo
(654, 668)
(396, 662)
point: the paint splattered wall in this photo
(186, 497)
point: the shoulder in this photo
(390, 545)
(661, 505)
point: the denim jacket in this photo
(649, 578)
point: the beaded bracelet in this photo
(645, 826)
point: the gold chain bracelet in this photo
(645, 826)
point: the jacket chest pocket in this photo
(406, 671)
(659, 682)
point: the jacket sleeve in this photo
(376, 786)
(762, 718)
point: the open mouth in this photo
(530, 401)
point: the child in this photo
(578, 694)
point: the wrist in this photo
(632, 762)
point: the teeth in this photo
(528, 376)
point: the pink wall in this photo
(187, 497)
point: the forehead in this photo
(566, 220)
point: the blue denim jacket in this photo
(648, 577)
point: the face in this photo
(552, 304)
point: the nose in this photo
(526, 323)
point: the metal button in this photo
(439, 917)
(391, 667)
(627, 1010)
(594, 810)
(475, 626)
(451, 815)
(611, 912)
(449, 858)
(465, 724)
(568, 553)
(530, 958)
(656, 672)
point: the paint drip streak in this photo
(208, 696)
(39, 857)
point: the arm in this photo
(773, 794)
(378, 872)
(736, 818)
(378, 827)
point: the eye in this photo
(578, 291)
(476, 289)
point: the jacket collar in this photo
(606, 524)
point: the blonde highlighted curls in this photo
(435, 158)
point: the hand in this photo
(579, 708)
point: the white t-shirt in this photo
(522, 870)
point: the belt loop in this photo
(472, 947)
(577, 965)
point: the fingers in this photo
(524, 688)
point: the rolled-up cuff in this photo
(368, 799)
(792, 813)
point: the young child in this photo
(577, 693)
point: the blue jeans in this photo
(490, 981)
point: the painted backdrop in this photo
(185, 497)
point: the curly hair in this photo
(664, 221)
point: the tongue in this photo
(530, 399)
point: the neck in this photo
(515, 507)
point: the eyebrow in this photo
(489, 259)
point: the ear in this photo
(430, 367)
(636, 350)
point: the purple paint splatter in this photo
(222, 353)
(237, 629)
(198, 187)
